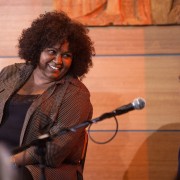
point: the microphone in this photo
(137, 104)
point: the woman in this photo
(45, 95)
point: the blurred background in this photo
(137, 55)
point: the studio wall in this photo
(130, 62)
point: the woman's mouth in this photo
(54, 67)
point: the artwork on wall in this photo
(122, 12)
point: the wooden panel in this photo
(136, 40)
(14, 17)
(143, 148)
(111, 160)
(110, 40)
(115, 40)
(163, 90)
(134, 156)
(116, 81)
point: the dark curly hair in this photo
(56, 27)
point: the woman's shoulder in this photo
(78, 83)
(13, 66)
(13, 69)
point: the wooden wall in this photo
(131, 62)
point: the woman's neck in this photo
(39, 79)
(34, 85)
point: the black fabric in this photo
(13, 119)
(23, 174)
(79, 176)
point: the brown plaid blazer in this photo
(65, 104)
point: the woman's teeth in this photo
(53, 67)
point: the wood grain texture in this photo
(108, 40)
(134, 156)
(131, 62)
(136, 40)
(116, 81)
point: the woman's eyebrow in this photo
(66, 51)
(57, 49)
(53, 48)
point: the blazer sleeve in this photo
(75, 109)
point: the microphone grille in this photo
(139, 103)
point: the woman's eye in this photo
(66, 55)
(51, 52)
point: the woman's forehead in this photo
(64, 45)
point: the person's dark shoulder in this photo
(13, 67)
(11, 70)
(79, 84)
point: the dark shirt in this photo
(13, 119)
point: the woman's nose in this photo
(58, 59)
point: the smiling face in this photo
(54, 63)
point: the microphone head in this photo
(139, 103)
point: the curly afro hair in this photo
(56, 27)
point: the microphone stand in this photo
(47, 137)
(40, 143)
(41, 151)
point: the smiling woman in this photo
(55, 62)
(44, 95)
